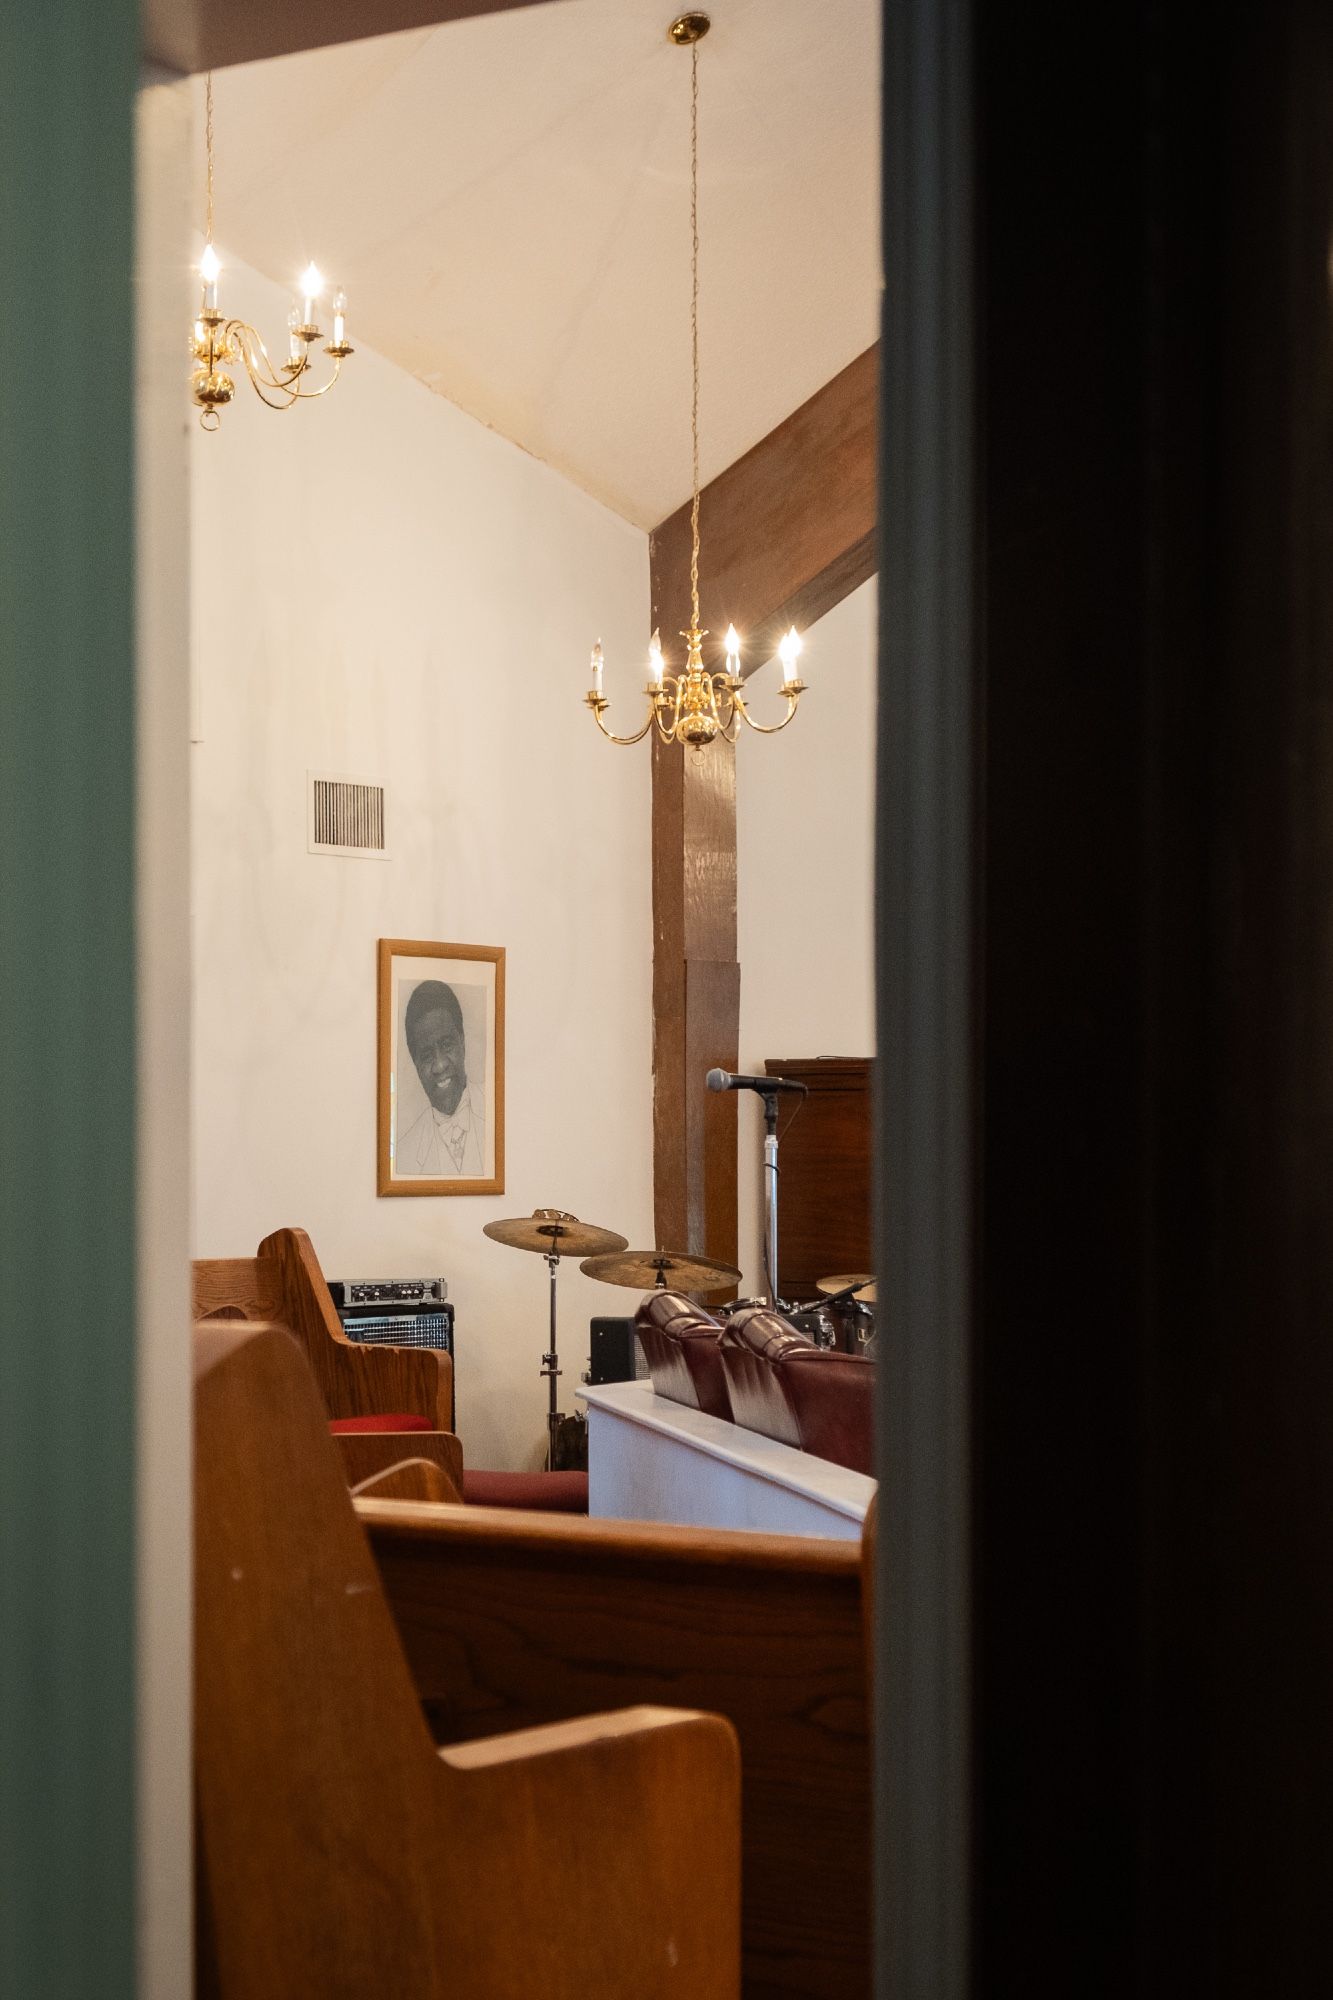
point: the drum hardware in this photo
(814, 1319)
(649, 1270)
(554, 1233)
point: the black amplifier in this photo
(614, 1353)
(396, 1312)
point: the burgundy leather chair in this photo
(785, 1387)
(680, 1345)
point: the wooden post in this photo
(788, 532)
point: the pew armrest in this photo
(410, 1479)
(640, 1895)
(366, 1455)
(365, 1381)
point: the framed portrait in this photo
(441, 1068)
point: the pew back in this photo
(341, 1854)
(511, 1621)
(285, 1284)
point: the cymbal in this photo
(553, 1232)
(642, 1269)
(863, 1281)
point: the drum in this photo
(816, 1321)
(854, 1324)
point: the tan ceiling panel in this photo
(506, 199)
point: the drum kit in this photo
(843, 1315)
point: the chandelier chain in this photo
(699, 704)
(208, 146)
(694, 330)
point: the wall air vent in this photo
(345, 816)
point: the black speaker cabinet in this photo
(612, 1353)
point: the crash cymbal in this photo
(553, 1232)
(642, 1269)
(861, 1285)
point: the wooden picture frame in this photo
(441, 1105)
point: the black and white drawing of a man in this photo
(448, 1139)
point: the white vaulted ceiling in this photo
(506, 200)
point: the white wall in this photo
(385, 589)
(805, 805)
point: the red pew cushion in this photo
(545, 1492)
(391, 1422)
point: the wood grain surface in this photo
(338, 1853)
(509, 1621)
(786, 532)
(827, 1171)
(187, 35)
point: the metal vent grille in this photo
(345, 816)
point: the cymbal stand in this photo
(551, 1367)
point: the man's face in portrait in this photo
(441, 1058)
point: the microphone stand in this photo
(770, 1098)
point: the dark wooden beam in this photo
(787, 532)
(696, 997)
(187, 35)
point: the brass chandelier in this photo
(695, 706)
(218, 343)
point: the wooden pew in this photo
(340, 1854)
(514, 1621)
(284, 1283)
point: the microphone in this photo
(721, 1079)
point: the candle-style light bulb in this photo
(295, 344)
(789, 652)
(732, 642)
(597, 668)
(208, 271)
(656, 665)
(311, 286)
(340, 318)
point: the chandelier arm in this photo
(679, 686)
(309, 395)
(286, 386)
(721, 690)
(638, 735)
(768, 728)
(598, 704)
(268, 401)
(247, 340)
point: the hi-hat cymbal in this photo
(553, 1232)
(861, 1285)
(642, 1269)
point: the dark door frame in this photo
(1105, 960)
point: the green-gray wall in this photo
(67, 1001)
